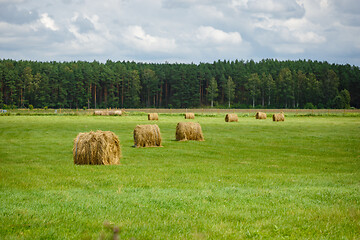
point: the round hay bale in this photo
(189, 131)
(231, 117)
(278, 117)
(147, 136)
(101, 113)
(153, 116)
(189, 116)
(115, 113)
(260, 115)
(97, 148)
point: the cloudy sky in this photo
(180, 30)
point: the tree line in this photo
(268, 83)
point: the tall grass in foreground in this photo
(297, 179)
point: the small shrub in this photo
(11, 106)
(309, 106)
(45, 108)
(321, 106)
(31, 107)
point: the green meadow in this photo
(252, 179)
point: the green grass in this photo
(256, 179)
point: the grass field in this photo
(256, 179)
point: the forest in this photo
(269, 83)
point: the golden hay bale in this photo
(97, 148)
(189, 116)
(101, 113)
(153, 116)
(115, 112)
(147, 136)
(260, 115)
(278, 117)
(189, 131)
(231, 117)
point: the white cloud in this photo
(309, 37)
(136, 37)
(210, 34)
(239, 3)
(210, 12)
(48, 22)
(324, 4)
(293, 30)
(267, 6)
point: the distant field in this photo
(255, 179)
(198, 111)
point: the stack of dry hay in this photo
(260, 115)
(115, 112)
(189, 131)
(97, 148)
(153, 116)
(231, 117)
(101, 113)
(107, 113)
(147, 136)
(278, 117)
(189, 116)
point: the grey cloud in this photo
(277, 9)
(190, 3)
(348, 6)
(349, 11)
(11, 14)
(280, 29)
(84, 25)
(71, 2)
(351, 20)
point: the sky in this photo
(182, 31)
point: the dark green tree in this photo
(134, 88)
(151, 84)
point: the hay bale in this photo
(147, 136)
(189, 116)
(97, 148)
(278, 117)
(189, 131)
(115, 113)
(101, 113)
(231, 117)
(260, 115)
(153, 116)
